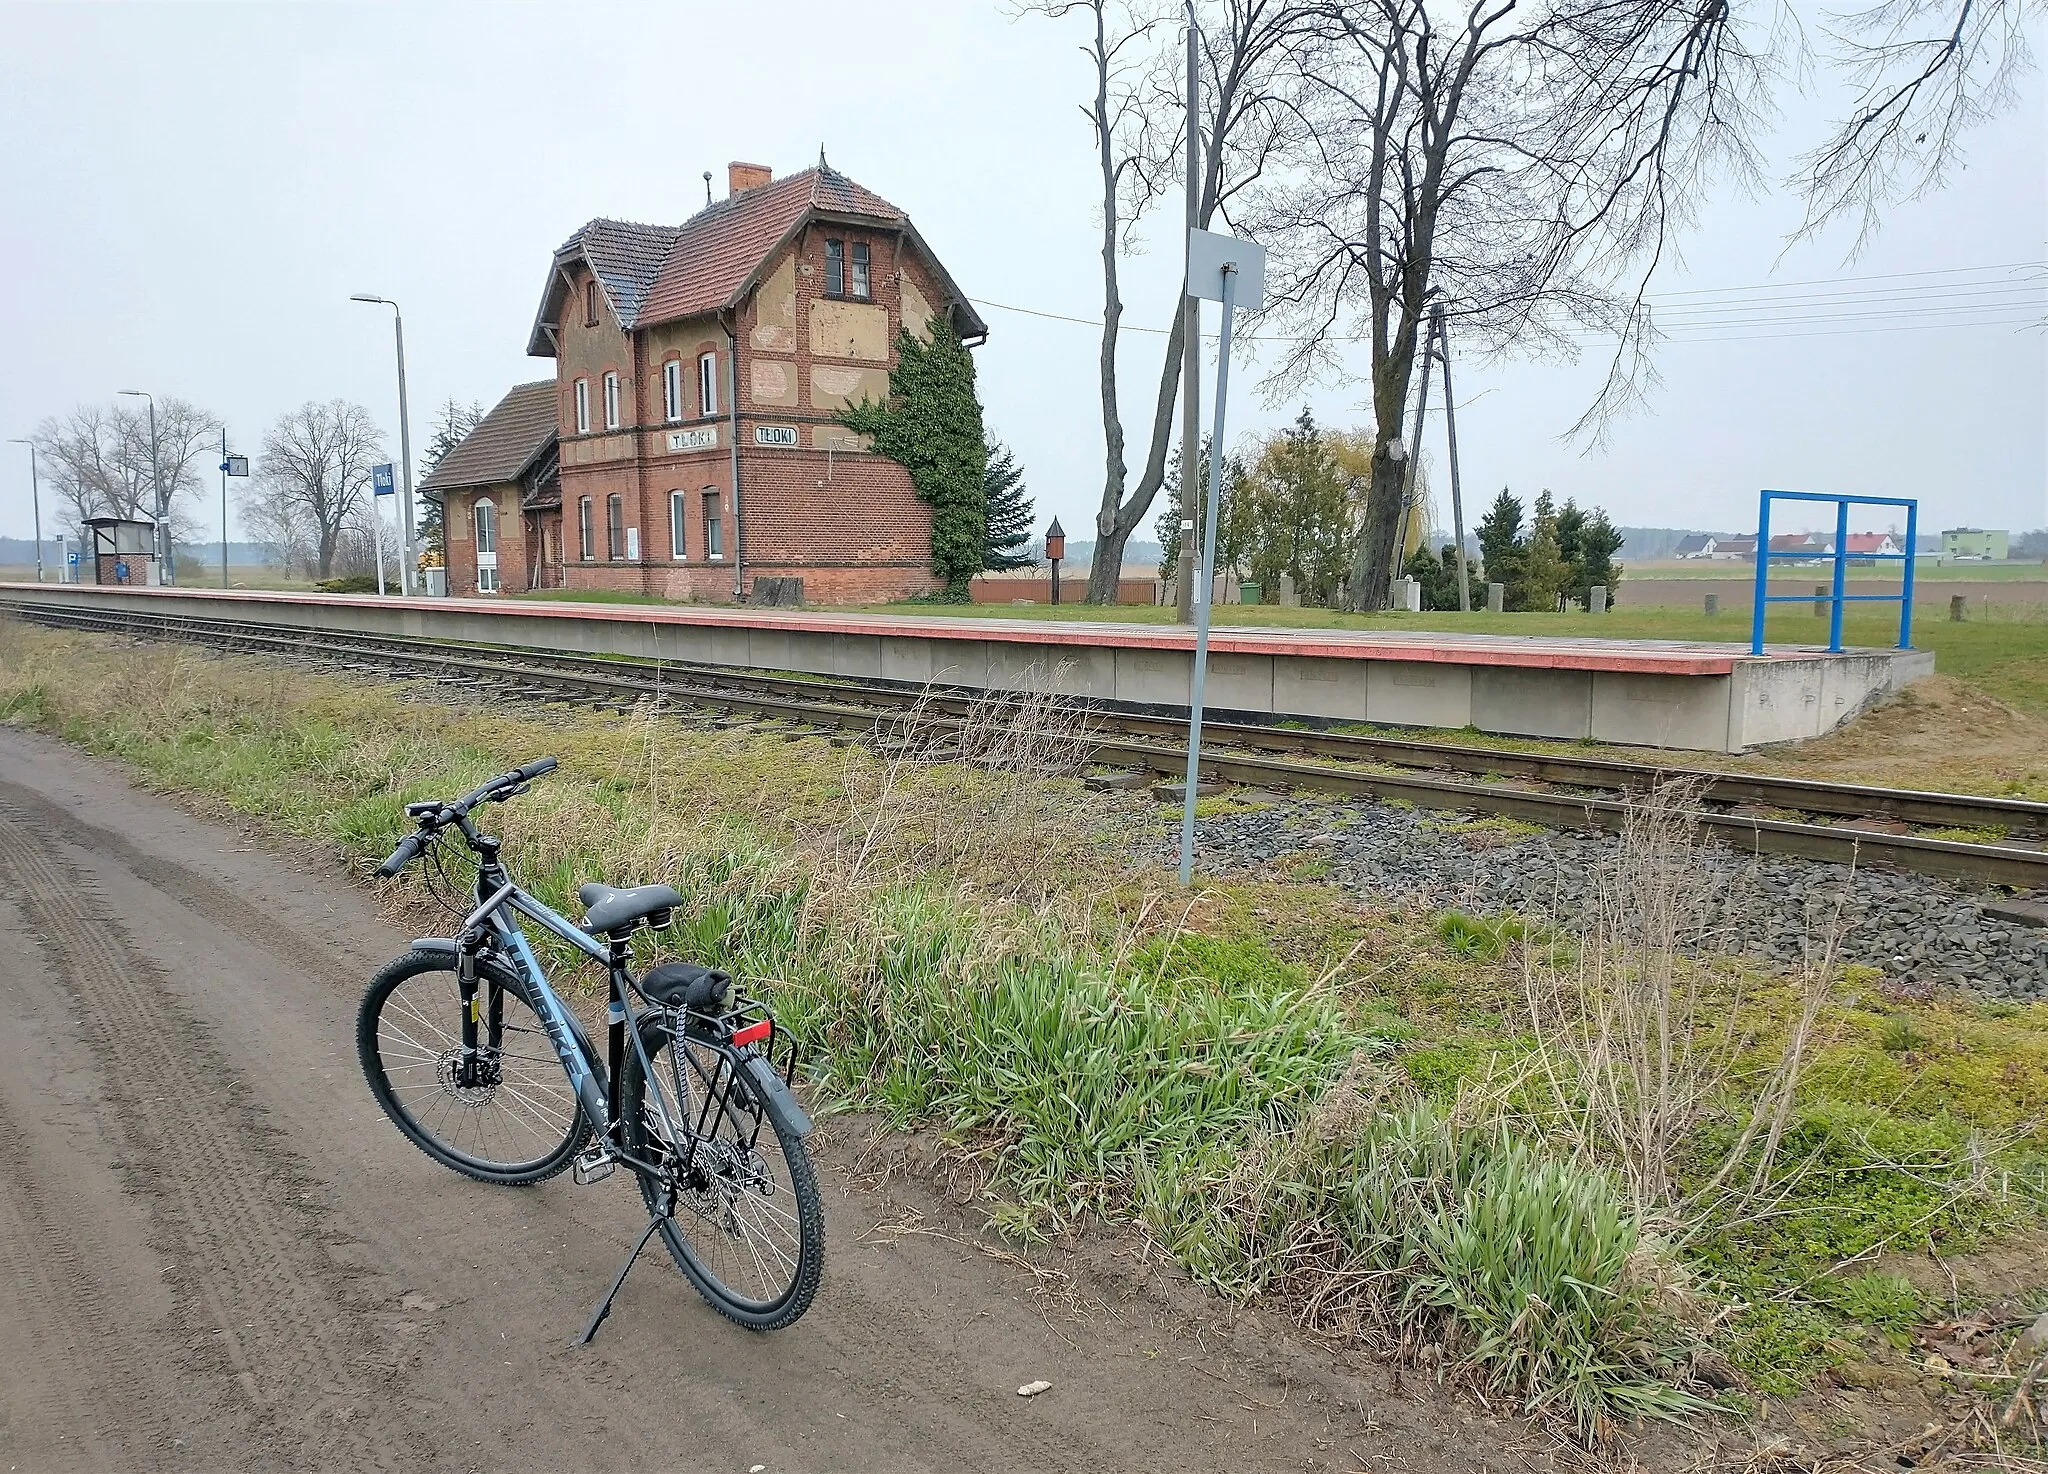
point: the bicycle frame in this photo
(500, 902)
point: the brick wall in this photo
(823, 509)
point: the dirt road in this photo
(216, 1254)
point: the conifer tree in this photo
(1007, 542)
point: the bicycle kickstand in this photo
(604, 1307)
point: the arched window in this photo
(675, 524)
(611, 401)
(586, 539)
(615, 526)
(672, 389)
(590, 303)
(486, 517)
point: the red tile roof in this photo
(658, 273)
(504, 443)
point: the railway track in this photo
(1837, 822)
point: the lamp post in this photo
(410, 562)
(160, 540)
(35, 497)
(1055, 549)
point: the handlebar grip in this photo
(401, 857)
(535, 768)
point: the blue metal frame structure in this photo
(1839, 594)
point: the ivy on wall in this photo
(931, 425)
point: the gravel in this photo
(1920, 932)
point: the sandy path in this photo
(215, 1253)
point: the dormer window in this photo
(590, 303)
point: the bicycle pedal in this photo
(593, 1165)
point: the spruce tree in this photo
(1502, 552)
(1544, 571)
(452, 424)
(1007, 540)
(932, 427)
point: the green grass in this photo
(1299, 1096)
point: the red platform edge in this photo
(1425, 647)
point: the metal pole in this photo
(1841, 575)
(1400, 557)
(1191, 333)
(1906, 591)
(1208, 588)
(223, 506)
(1763, 573)
(407, 560)
(156, 475)
(377, 540)
(1443, 341)
(35, 498)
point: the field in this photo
(1437, 1137)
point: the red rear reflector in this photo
(753, 1032)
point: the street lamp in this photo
(35, 497)
(410, 562)
(161, 540)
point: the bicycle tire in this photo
(747, 1207)
(420, 1041)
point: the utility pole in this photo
(409, 561)
(166, 574)
(1191, 345)
(35, 497)
(1443, 342)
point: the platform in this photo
(1706, 697)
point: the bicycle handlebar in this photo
(502, 786)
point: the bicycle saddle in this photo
(609, 910)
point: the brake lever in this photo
(505, 793)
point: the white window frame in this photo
(583, 406)
(672, 390)
(611, 401)
(707, 382)
(586, 531)
(486, 543)
(714, 525)
(678, 503)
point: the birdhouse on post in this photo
(1055, 549)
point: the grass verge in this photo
(1351, 1112)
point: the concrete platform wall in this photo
(1759, 702)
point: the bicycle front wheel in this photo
(511, 1115)
(746, 1227)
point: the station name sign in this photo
(704, 439)
(775, 435)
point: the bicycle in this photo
(461, 1038)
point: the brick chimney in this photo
(740, 177)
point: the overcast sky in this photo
(189, 193)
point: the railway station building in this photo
(689, 444)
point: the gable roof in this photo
(1868, 542)
(658, 273)
(1695, 542)
(517, 432)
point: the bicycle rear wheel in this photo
(516, 1120)
(747, 1226)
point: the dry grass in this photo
(1642, 1040)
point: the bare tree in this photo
(1524, 167)
(1926, 71)
(313, 479)
(1137, 116)
(97, 458)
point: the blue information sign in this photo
(380, 479)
